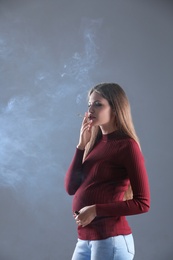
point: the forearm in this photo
(73, 176)
(123, 208)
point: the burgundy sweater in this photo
(102, 179)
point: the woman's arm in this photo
(133, 162)
(73, 176)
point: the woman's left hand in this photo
(85, 215)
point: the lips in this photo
(90, 117)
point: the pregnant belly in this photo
(90, 196)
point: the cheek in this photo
(107, 115)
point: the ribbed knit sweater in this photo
(101, 180)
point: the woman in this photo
(107, 177)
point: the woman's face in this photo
(100, 112)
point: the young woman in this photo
(107, 177)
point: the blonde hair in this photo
(119, 103)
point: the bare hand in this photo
(85, 216)
(85, 132)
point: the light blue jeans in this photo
(113, 248)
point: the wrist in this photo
(80, 147)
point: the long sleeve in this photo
(73, 176)
(133, 161)
(102, 178)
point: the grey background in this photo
(51, 53)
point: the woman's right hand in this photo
(85, 132)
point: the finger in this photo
(77, 218)
(76, 213)
(79, 223)
(86, 127)
(84, 224)
(90, 125)
(85, 119)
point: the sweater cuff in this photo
(79, 151)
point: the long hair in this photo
(119, 103)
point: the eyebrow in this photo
(94, 101)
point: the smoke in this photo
(81, 64)
(34, 122)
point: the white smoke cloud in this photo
(35, 122)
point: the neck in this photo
(107, 130)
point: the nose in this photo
(91, 109)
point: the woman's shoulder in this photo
(128, 144)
